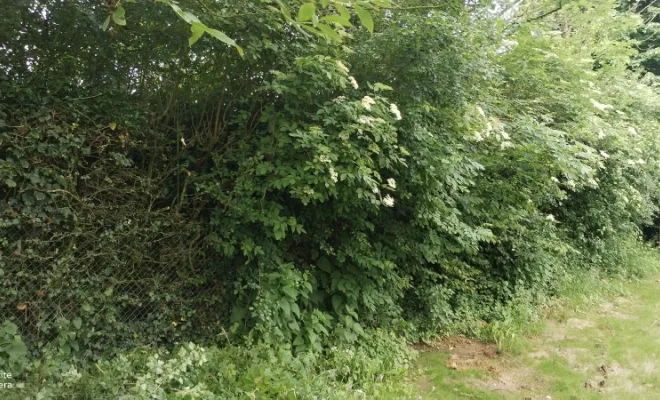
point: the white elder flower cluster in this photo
(494, 128)
(601, 106)
(506, 145)
(333, 175)
(634, 163)
(342, 66)
(367, 102)
(395, 110)
(324, 159)
(370, 121)
(391, 183)
(388, 201)
(353, 82)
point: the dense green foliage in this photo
(320, 186)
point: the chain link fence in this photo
(97, 288)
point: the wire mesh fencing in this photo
(98, 288)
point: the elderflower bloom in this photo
(342, 66)
(353, 82)
(395, 110)
(388, 201)
(554, 179)
(604, 155)
(481, 112)
(365, 120)
(570, 183)
(601, 106)
(340, 99)
(333, 175)
(367, 102)
(506, 144)
(324, 159)
(478, 137)
(632, 131)
(391, 183)
(550, 217)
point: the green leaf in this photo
(365, 18)
(106, 24)
(380, 87)
(9, 328)
(219, 35)
(225, 39)
(342, 11)
(289, 291)
(337, 19)
(284, 9)
(286, 307)
(77, 322)
(337, 302)
(329, 32)
(189, 17)
(312, 30)
(238, 313)
(357, 328)
(295, 309)
(306, 12)
(16, 349)
(119, 16)
(10, 183)
(324, 264)
(197, 32)
(108, 291)
(86, 307)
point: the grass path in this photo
(608, 350)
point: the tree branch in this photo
(559, 7)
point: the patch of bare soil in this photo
(610, 310)
(468, 353)
(611, 378)
(571, 355)
(580, 323)
(555, 332)
(472, 354)
(648, 367)
(520, 379)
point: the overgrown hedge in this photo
(309, 191)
